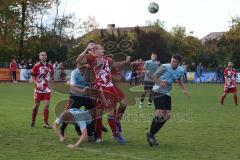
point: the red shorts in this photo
(42, 96)
(230, 90)
(119, 93)
(108, 98)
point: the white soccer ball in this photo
(153, 7)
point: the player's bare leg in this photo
(34, 112)
(98, 125)
(223, 97)
(46, 114)
(235, 99)
(119, 114)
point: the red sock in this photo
(112, 124)
(120, 112)
(34, 114)
(45, 115)
(98, 126)
(222, 99)
(236, 100)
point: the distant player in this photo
(42, 75)
(76, 117)
(150, 68)
(165, 76)
(230, 85)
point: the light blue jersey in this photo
(150, 66)
(81, 118)
(166, 73)
(77, 79)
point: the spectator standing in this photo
(185, 72)
(13, 70)
(199, 72)
(193, 67)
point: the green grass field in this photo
(199, 129)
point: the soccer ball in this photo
(153, 7)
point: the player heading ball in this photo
(164, 78)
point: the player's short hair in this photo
(178, 57)
(154, 53)
(42, 52)
(91, 41)
(67, 117)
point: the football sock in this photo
(112, 124)
(157, 124)
(222, 99)
(236, 100)
(98, 126)
(34, 114)
(45, 115)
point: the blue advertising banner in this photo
(205, 77)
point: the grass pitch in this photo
(199, 129)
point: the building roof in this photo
(212, 35)
(115, 29)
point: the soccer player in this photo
(79, 97)
(42, 75)
(76, 117)
(164, 78)
(230, 85)
(150, 67)
(107, 94)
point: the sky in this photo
(200, 16)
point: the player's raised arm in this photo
(81, 57)
(120, 64)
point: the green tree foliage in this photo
(186, 44)
(227, 48)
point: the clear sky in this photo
(200, 16)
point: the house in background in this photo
(212, 36)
